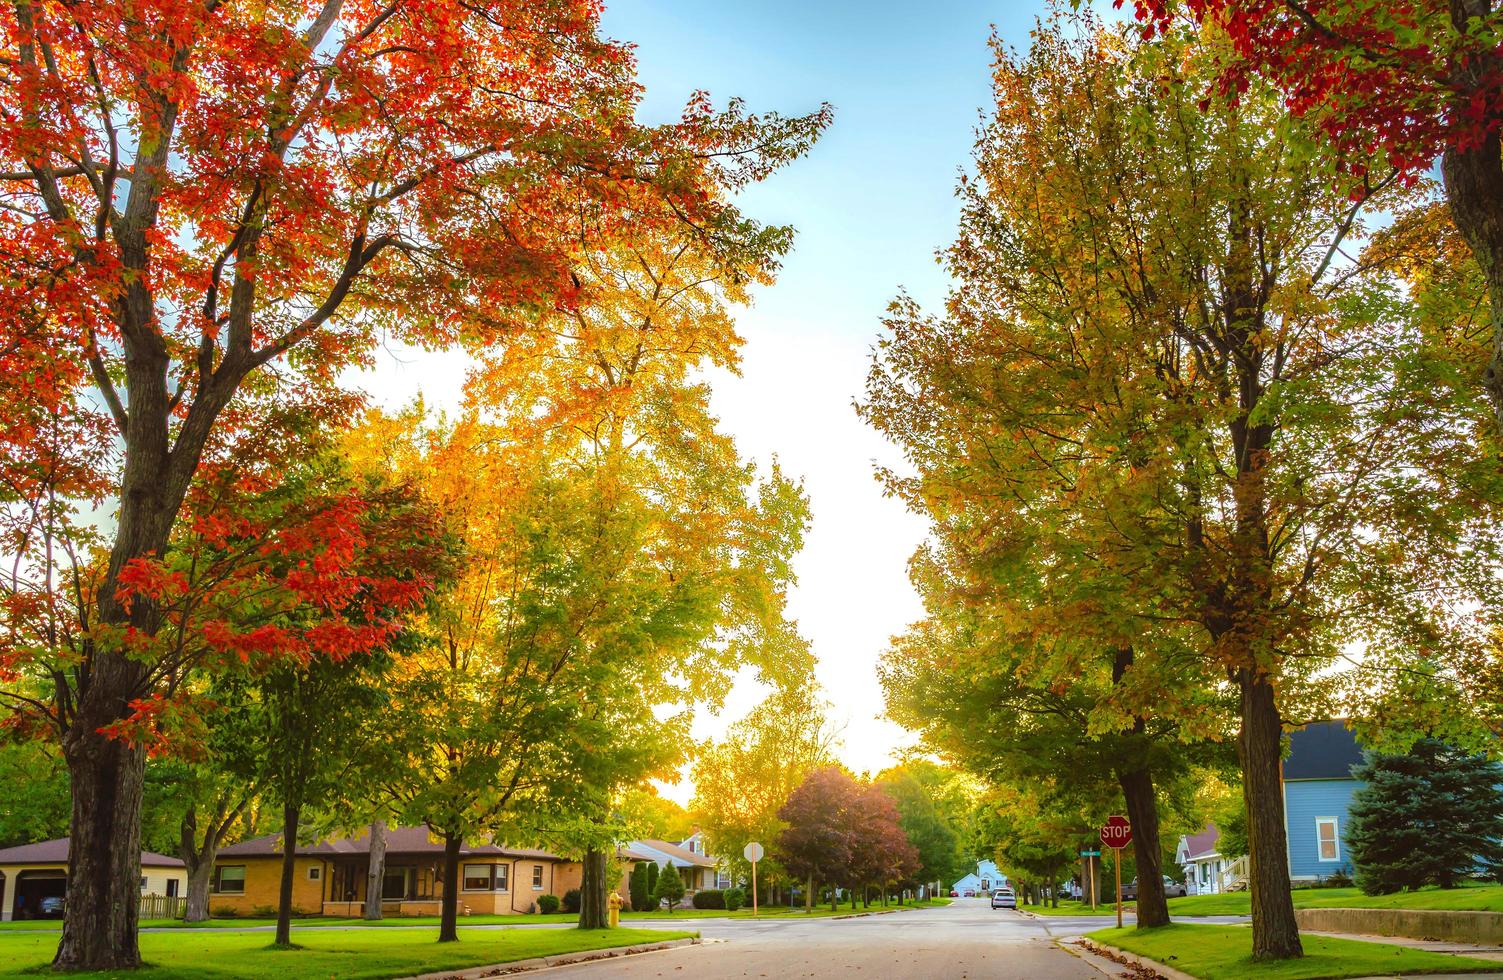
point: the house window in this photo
(228, 880)
(143, 883)
(485, 877)
(394, 883)
(1327, 847)
(314, 872)
(172, 888)
(537, 877)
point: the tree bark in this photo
(290, 815)
(1275, 931)
(593, 912)
(448, 923)
(104, 854)
(376, 874)
(198, 892)
(1143, 812)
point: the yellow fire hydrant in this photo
(615, 903)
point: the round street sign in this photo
(1117, 832)
(752, 852)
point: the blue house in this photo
(1318, 788)
(980, 881)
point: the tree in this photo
(36, 798)
(881, 853)
(641, 891)
(197, 212)
(741, 781)
(1432, 816)
(1202, 410)
(1418, 80)
(654, 815)
(932, 836)
(818, 842)
(670, 888)
(1032, 843)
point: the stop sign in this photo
(1117, 832)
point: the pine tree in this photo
(1433, 815)
(670, 888)
(641, 891)
(652, 879)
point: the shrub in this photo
(263, 912)
(640, 889)
(734, 898)
(571, 901)
(652, 880)
(1339, 879)
(709, 898)
(225, 912)
(548, 904)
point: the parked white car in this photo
(1004, 898)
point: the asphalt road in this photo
(964, 940)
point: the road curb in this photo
(545, 962)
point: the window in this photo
(228, 879)
(172, 888)
(143, 883)
(485, 877)
(537, 877)
(394, 883)
(314, 873)
(1327, 847)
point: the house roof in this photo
(679, 857)
(1322, 750)
(1202, 844)
(399, 840)
(56, 852)
(627, 854)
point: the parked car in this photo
(1172, 889)
(954, 893)
(51, 907)
(970, 893)
(1004, 898)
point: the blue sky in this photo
(871, 203)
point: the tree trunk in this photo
(594, 913)
(104, 854)
(376, 874)
(198, 892)
(1143, 813)
(448, 923)
(1474, 191)
(290, 814)
(1275, 931)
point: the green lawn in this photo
(1069, 906)
(1225, 953)
(1473, 897)
(327, 954)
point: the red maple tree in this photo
(208, 210)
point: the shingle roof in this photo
(56, 852)
(675, 853)
(1203, 843)
(1322, 750)
(399, 840)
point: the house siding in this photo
(263, 883)
(1305, 802)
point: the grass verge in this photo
(1470, 897)
(326, 954)
(1225, 953)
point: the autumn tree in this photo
(205, 201)
(818, 842)
(1416, 80)
(1238, 435)
(882, 855)
(745, 778)
(924, 823)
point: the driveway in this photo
(963, 940)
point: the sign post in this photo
(1116, 833)
(753, 853)
(1091, 857)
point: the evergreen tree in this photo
(1433, 815)
(652, 879)
(641, 892)
(670, 888)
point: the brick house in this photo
(330, 876)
